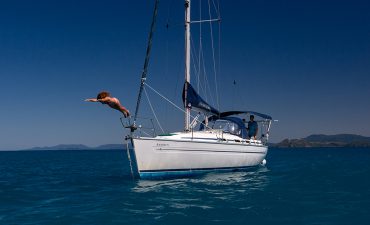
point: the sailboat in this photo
(221, 142)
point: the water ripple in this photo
(327, 186)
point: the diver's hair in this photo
(103, 94)
(252, 117)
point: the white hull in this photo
(183, 154)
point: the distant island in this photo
(79, 147)
(312, 141)
(322, 140)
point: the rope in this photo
(129, 159)
(213, 54)
(206, 88)
(193, 59)
(200, 42)
(164, 97)
(172, 103)
(155, 115)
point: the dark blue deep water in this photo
(297, 186)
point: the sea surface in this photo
(297, 186)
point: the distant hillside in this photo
(79, 147)
(315, 140)
(321, 140)
(345, 138)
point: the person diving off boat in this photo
(104, 97)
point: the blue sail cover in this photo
(196, 102)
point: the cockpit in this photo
(226, 126)
(234, 122)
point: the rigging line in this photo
(213, 55)
(194, 60)
(202, 65)
(206, 88)
(216, 8)
(205, 84)
(129, 159)
(147, 57)
(200, 42)
(219, 39)
(167, 48)
(164, 97)
(155, 91)
(201, 21)
(207, 93)
(197, 71)
(198, 66)
(205, 81)
(155, 115)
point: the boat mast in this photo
(187, 62)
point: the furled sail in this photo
(194, 101)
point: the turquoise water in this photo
(297, 186)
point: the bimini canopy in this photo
(231, 113)
(227, 115)
(194, 101)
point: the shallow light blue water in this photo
(297, 186)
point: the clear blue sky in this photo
(305, 63)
